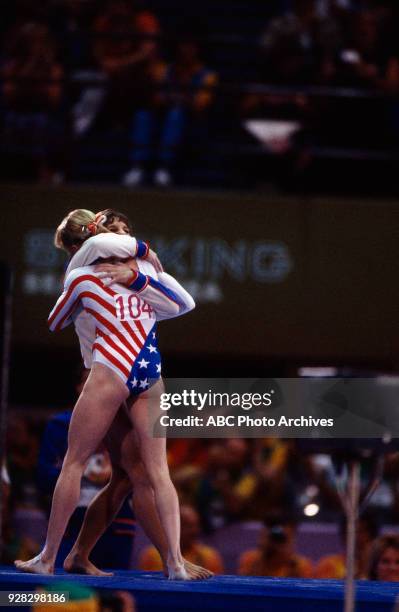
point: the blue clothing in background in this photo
(114, 549)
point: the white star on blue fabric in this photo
(143, 363)
(158, 368)
(153, 335)
(144, 383)
(134, 382)
(152, 349)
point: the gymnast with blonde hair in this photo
(124, 347)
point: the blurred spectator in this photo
(227, 486)
(14, 544)
(391, 473)
(126, 49)
(114, 548)
(384, 559)
(287, 480)
(81, 598)
(192, 549)
(362, 60)
(124, 36)
(18, 12)
(117, 601)
(187, 452)
(182, 112)
(187, 459)
(22, 451)
(294, 45)
(85, 599)
(71, 23)
(33, 94)
(296, 49)
(275, 555)
(273, 492)
(334, 566)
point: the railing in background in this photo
(236, 58)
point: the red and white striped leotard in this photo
(123, 320)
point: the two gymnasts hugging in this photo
(115, 291)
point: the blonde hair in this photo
(77, 227)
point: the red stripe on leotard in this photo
(141, 330)
(115, 346)
(112, 359)
(77, 281)
(132, 333)
(113, 330)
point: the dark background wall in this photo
(278, 281)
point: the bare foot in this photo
(177, 572)
(196, 571)
(74, 564)
(35, 566)
(192, 573)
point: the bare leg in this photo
(99, 515)
(153, 453)
(123, 448)
(104, 507)
(93, 414)
(146, 513)
(128, 470)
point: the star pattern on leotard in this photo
(147, 368)
(144, 383)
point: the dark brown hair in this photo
(379, 547)
(112, 215)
